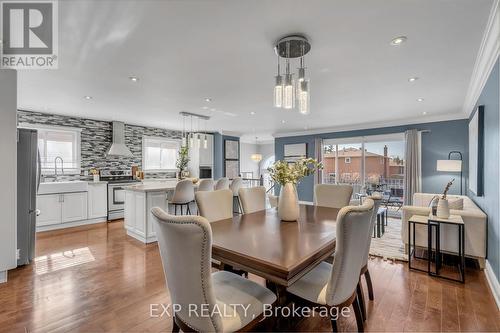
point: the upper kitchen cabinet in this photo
(201, 157)
(207, 154)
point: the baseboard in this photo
(3, 276)
(493, 282)
(70, 224)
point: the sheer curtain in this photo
(413, 169)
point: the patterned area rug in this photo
(389, 246)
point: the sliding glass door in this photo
(370, 163)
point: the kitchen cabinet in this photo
(50, 209)
(97, 200)
(74, 207)
(63, 208)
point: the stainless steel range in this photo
(117, 181)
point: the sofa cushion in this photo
(457, 203)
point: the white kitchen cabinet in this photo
(50, 209)
(97, 200)
(74, 207)
(207, 155)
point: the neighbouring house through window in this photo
(159, 154)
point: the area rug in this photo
(389, 246)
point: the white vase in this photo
(288, 203)
(96, 178)
(443, 209)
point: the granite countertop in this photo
(163, 186)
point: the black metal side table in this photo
(434, 223)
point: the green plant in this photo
(283, 172)
(182, 159)
(447, 188)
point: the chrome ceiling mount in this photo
(298, 46)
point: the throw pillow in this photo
(457, 204)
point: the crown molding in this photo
(485, 59)
(366, 126)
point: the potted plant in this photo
(182, 161)
(95, 174)
(443, 208)
(288, 175)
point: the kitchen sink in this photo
(63, 187)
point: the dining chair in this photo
(332, 195)
(253, 199)
(235, 187)
(206, 185)
(377, 201)
(183, 196)
(273, 200)
(215, 205)
(335, 285)
(185, 244)
(221, 184)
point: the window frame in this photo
(159, 138)
(57, 128)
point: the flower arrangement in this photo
(283, 172)
(447, 188)
(94, 171)
(182, 159)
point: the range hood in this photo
(118, 147)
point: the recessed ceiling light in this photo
(424, 113)
(133, 78)
(283, 121)
(420, 99)
(208, 99)
(413, 79)
(252, 113)
(398, 40)
(87, 97)
(204, 107)
(213, 109)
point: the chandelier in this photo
(288, 92)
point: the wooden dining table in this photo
(280, 252)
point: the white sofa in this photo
(475, 227)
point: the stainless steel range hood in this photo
(118, 147)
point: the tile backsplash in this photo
(96, 137)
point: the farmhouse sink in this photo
(63, 187)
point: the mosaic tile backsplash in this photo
(96, 137)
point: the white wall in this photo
(8, 151)
(247, 149)
(246, 163)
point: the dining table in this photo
(280, 252)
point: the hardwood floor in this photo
(96, 279)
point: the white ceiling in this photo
(184, 51)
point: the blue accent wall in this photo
(443, 137)
(489, 202)
(219, 153)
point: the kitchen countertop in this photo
(164, 186)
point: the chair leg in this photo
(361, 300)
(188, 210)
(182, 211)
(369, 285)
(357, 313)
(335, 327)
(175, 209)
(239, 205)
(175, 327)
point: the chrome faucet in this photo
(55, 166)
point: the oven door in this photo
(116, 197)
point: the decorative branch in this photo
(447, 188)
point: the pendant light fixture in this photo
(198, 136)
(184, 139)
(205, 140)
(287, 93)
(191, 137)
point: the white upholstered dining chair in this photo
(334, 285)
(183, 195)
(215, 205)
(332, 195)
(222, 184)
(235, 187)
(185, 244)
(206, 185)
(273, 200)
(253, 199)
